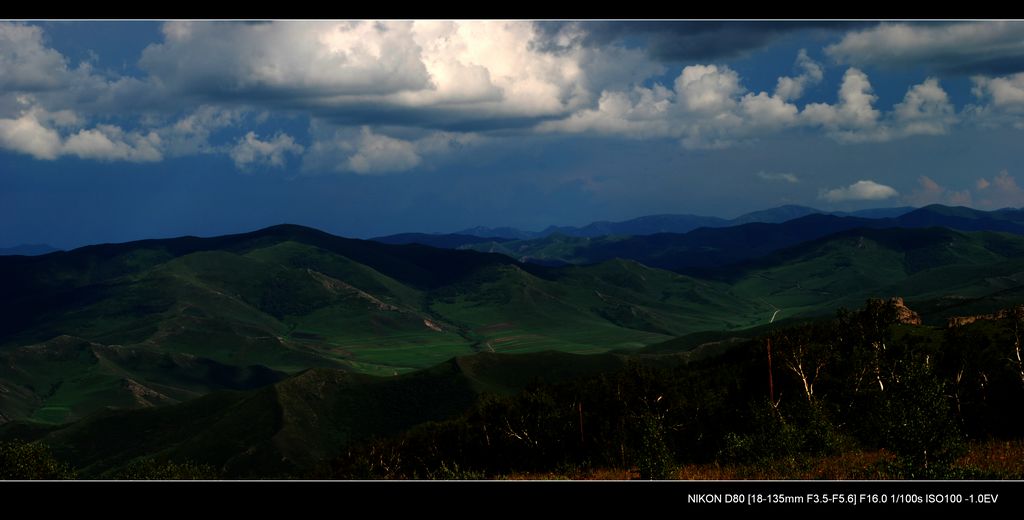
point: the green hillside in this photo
(300, 421)
(845, 269)
(286, 300)
(160, 322)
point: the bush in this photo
(654, 459)
(150, 469)
(31, 461)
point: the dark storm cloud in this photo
(686, 40)
(959, 48)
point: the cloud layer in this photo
(391, 96)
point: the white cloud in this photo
(1004, 100)
(375, 153)
(707, 88)
(709, 108)
(107, 142)
(782, 177)
(703, 110)
(860, 190)
(366, 151)
(314, 58)
(1007, 91)
(762, 110)
(854, 112)
(26, 63)
(251, 151)
(791, 88)
(925, 110)
(458, 70)
(958, 46)
(26, 134)
(32, 133)
(639, 113)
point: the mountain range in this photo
(712, 248)
(676, 223)
(269, 350)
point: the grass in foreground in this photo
(998, 460)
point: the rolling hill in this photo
(159, 322)
(286, 299)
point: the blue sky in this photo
(114, 131)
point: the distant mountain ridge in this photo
(677, 223)
(442, 240)
(28, 250)
(705, 248)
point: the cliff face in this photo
(903, 313)
(1014, 312)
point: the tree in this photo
(1017, 325)
(803, 356)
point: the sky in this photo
(117, 131)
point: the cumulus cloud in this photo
(1000, 192)
(27, 135)
(26, 63)
(33, 133)
(930, 192)
(375, 153)
(1003, 92)
(111, 143)
(854, 111)
(924, 110)
(710, 108)
(429, 72)
(706, 108)
(791, 178)
(790, 88)
(707, 88)
(1002, 98)
(995, 47)
(368, 152)
(251, 151)
(860, 190)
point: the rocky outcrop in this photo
(1013, 312)
(903, 313)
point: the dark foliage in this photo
(877, 384)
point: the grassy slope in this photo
(846, 269)
(299, 421)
